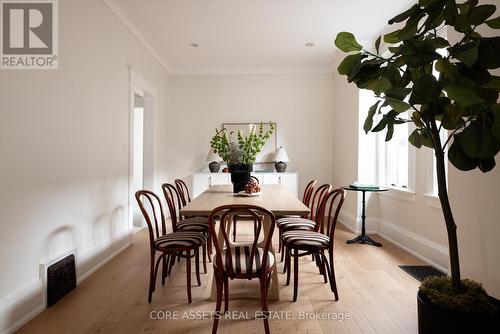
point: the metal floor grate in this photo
(422, 272)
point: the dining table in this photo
(275, 198)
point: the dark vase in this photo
(240, 176)
(432, 319)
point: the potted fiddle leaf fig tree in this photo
(439, 86)
(240, 151)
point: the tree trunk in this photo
(451, 227)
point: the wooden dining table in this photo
(275, 198)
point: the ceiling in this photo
(256, 36)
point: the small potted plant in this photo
(240, 151)
(462, 99)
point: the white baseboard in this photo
(424, 249)
(418, 246)
(20, 307)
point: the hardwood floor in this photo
(375, 297)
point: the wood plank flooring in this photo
(375, 297)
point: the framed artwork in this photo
(266, 155)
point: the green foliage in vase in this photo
(242, 149)
(462, 98)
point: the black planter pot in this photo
(240, 175)
(432, 319)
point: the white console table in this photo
(203, 180)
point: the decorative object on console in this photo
(280, 158)
(213, 159)
(240, 151)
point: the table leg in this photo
(363, 238)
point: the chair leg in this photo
(280, 243)
(205, 258)
(172, 262)
(152, 277)
(323, 266)
(209, 248)
(218, 304)
(226, 293)
(197, 263)
(333, 283)
(234, 229)
(263, 300)
(188, 275)
(295, 274)
(283, 251)
(288, 264)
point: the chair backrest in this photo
(174, 203)
(316, 200)
(152, 210)
(254, 179)
(224, 214)
(308, 192)
(183, 191)
(330, 209)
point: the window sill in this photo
(432, 201)
(399, 193)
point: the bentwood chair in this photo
(179, 223)
(236, 218)
(185, 198)
(300, 243)
(183, 191)
(282, 223)
(300, 223)
(169, 245)
(249, 261)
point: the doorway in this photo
(143, 96)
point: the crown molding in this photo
(136, 28)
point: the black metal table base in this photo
(364, 239)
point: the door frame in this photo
(141, 86)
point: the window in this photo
(392, 157)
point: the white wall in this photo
(301, 105)
(64, 143)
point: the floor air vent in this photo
(61, 279)
(422, 272)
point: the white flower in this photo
(251, 128)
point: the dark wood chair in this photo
(300, 243)
(236, 218)
(185, 198)
(168, 245)
(306, 199)
(253, 260)
(180, 223)
(304, 223)
(183, 191)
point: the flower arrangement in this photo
(241, 149)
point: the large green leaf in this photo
(462, 95)
(367, 126)
(425, 90)
(416, 139)
(346, 42)
(462, 24)
(479, 14)
(450, 12)
(477, 141)
(349, 63)
(404, 15)
(377, 44)
(466, 53)
(398, 93)
(494, 23)
(417, 53)
(397, 105)
(489, 52)
(392, 38)
(493, 83)
(485, 165)
(495, 127)
(458, 158)
(390, 131)
(379, 86)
